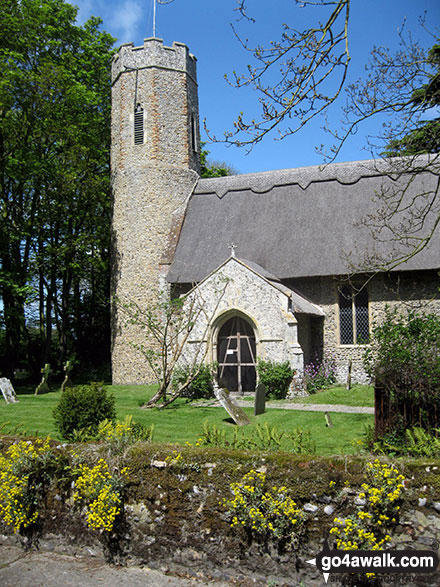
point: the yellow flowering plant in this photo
(25, 471)
(378, 509)
(101, 493)
(263, 512)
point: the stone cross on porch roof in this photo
(232, 247)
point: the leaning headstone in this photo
(43, 386)
(234, 410)
(8, 391)
(260, 399)
(67, 381)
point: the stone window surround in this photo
(352, 285)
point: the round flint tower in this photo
(155, 164)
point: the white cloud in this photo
(128, 22)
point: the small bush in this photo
(276, 377)
(320, 374)
(404, 360)
(83, 407)
(199, 386)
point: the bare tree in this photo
(168, 326)
(311, 68)
(304, 73)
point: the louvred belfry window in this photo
(138, 125)
(354, 322)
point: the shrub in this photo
(320, 373)
(276, 377)
(83, 407)
(377, 513)
(25, 473)
(101, 493)
(200, 385)
(120, 435)
(404, 361)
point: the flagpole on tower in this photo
(154, 12)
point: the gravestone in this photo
(260, 399)
(43, 386)
(8, 391)
(67, 381)
(234, 410)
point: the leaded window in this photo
(354, 322)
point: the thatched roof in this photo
(305, 222)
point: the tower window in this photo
(193, 134)
(138, 125)
(354, 324)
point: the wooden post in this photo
(328, 420)
(350, 365)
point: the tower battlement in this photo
(153, 53)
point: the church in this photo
(281, 259)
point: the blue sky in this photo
(205, 26)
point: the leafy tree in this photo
(425, 137)
(213, 168)
(54, 178)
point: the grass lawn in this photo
(358, 395)
(183, 422)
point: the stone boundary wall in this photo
(175, 519)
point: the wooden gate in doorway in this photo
(236, 355)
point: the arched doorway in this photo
(236, 355)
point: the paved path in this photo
(49, 569)
(303, 407)
(315, 407)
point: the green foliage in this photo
(54, 171)
(276, 377)
(425, 138)
(302, 442)
(264, 437)
(414, 442)
(213, 168)
(200, 381)
(120, 435)
(404, 360)
(264, 513)
(83, 407)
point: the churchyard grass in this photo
(183, 422)
(358, 395)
